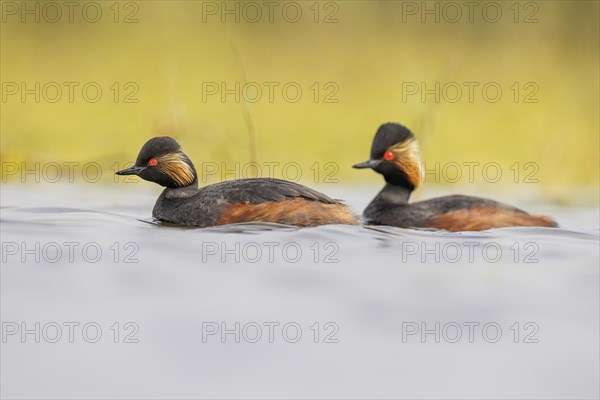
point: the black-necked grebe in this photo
(162, 161)
(394, 154)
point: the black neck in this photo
(394, 194)
(181, 192)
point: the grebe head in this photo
(395, 155)
(162, 161)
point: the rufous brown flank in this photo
(481, 218)
(299, 212)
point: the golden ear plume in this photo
(175, 166)
(406, 157)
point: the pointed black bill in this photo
(135, 170)
(367, 164)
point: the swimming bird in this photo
(162, 161)
(394, 154)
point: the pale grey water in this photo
(373, 286)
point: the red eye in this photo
(152, 162)
(388, 156)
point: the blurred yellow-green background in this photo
(363, 54)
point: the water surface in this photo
(359, 297)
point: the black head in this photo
(394, 154)
(161, 161)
